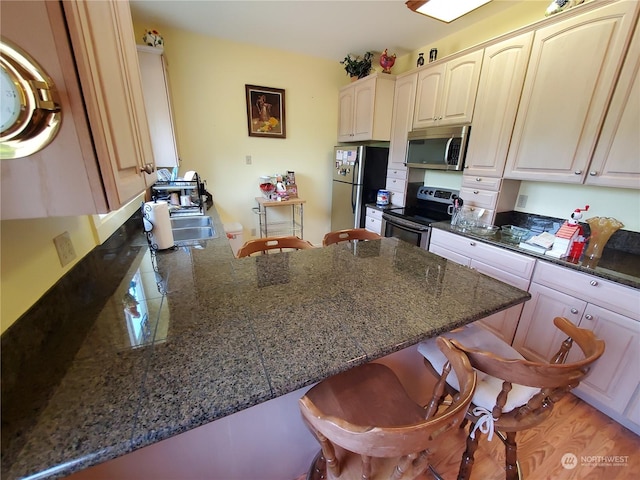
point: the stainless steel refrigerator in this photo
(359, 172)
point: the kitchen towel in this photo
(157, 224)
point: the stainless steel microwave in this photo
(438, 148)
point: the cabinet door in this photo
(537, 338)
(345, 112)
(429, 86)
(404, 98)
(614, 377)
(615, 161)
(157, 102)
(569, 81)
(501, 81)
(460, 89)
(112, 89)
(363, 109)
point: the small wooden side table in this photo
(281, 228)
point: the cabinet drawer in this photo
(397, 173)
(373, 225)
(498, 274)
(479, 198)
(618, 298)
(509, 262)
(374, 213)
(449, 254)
(396, 184)
(482, 183)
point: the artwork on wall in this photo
(265, 112)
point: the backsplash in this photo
(42, 342)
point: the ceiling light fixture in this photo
(445, 10)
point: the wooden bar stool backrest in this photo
(348, 235)
(273, 243)
(365, 413)
(519, 394)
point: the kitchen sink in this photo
(195, 221)
(187, 229)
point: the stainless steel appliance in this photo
(439, 148)
(359, 172)
(413, 222)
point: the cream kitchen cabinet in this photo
(509, 267)
(157, 101)
(373, 220)
(404, 99)
(501, 81)
(446, 92)
(570, 78)
(491, 194)
(615, 161)
(96, 162)
(365, 108)
(612, 311)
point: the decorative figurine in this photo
(153, 38)
(433, 54)
(420, 61)
(386, 61)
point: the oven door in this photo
(406, 230)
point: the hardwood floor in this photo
(574, 428)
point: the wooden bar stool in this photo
(348, 235)
(513, 393)
(368, 427)
(273, 243)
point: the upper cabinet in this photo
(95, 164)
(501, 81)
(157, 101)
(615, 161)
(569, 81)
(365, 108)
(446, 92)
(404, 99)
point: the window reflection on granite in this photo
(273, 269)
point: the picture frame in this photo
(266, 112)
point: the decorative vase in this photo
(153, 38)
(386, 61)
(601, 230)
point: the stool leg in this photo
(467, 457)
(511, 456)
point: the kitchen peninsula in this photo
(223, 334)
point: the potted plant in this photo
(356, 66)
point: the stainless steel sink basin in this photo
(193, 233)
(195, 221)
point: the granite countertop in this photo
(223, 334)
(616, 265)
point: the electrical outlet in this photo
(248, 159)
(64, 247)
(522, 201)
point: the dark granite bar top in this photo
(617, 265)
(191, 335)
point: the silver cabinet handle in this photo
(478, 179)
(578, 172)
(588, 317)
(475, 192)
(593, 283)
(593, 173)
(473, 244)
(574, 310)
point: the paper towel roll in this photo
(157, 224)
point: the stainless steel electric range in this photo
(413, 222)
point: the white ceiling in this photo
(322, 28)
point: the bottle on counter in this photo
(420, 61)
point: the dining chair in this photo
(368, 426)
(348, 235)
(513, 393)
(273, 243)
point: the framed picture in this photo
(265, 112)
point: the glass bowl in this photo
(484, 230)
(513, 234)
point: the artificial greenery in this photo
(355, 66)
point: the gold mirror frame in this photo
(40, 114)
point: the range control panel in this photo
(437, 194)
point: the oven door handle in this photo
(410, 226)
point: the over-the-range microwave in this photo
(438, 148)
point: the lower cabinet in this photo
(509, 267)
(613, 384)
(373, 221)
